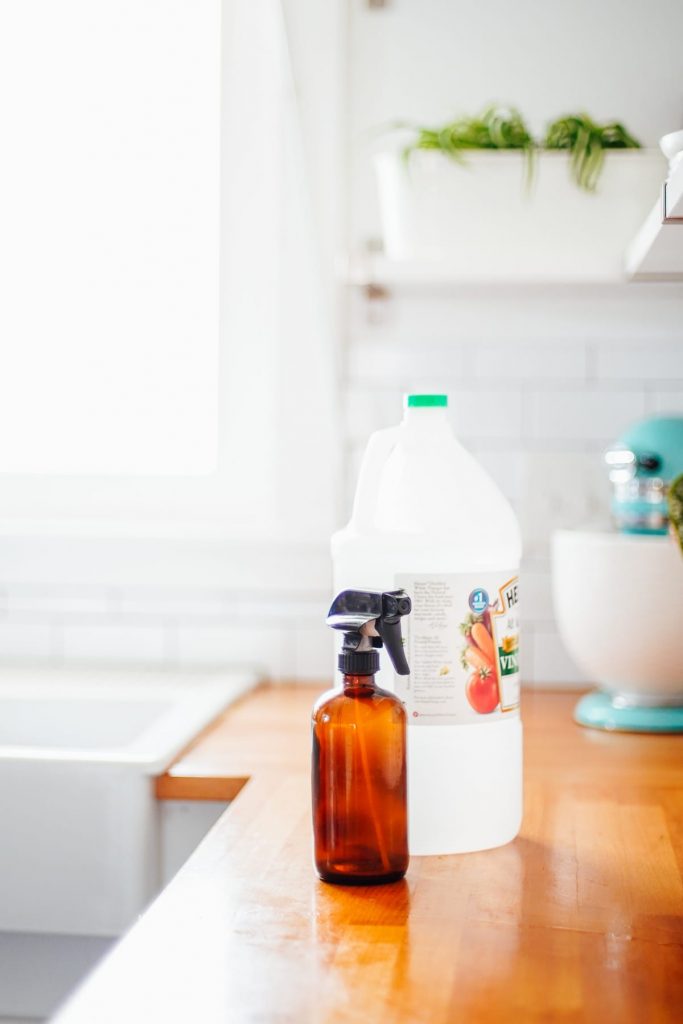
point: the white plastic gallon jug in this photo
(428, 519)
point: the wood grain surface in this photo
(579, 919)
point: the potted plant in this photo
(482, 198)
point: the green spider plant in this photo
(675, 499)
(587, 141)
(504, 128)
(495, 128)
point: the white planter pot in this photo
(479, 221)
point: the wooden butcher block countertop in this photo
(579, 919)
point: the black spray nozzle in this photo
(370, 620)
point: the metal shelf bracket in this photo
(666, 219)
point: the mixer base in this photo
(598, 711)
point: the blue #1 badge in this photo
(479, 600)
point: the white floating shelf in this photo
(377, 271)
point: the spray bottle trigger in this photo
(395, 604)
(390, 632)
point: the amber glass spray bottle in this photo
(360, 824)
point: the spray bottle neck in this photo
(358, 685)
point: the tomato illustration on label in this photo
(482, 691)
(479, 653)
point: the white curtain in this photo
(280, 363)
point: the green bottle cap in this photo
(426, 401)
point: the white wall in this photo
(559, 371)
(424, 61)
(540, 380)
(554, 373)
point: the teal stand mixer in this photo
(619, 594)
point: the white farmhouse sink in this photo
(79, 821)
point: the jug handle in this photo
(380, 446)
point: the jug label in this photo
(462, 645)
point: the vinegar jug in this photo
(429, 520)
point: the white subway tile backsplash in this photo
(168, 602)
(367, 410)
(504, 467)
(560, 489)
(27, 599)
(281, 609)
(595, 414)
(28, 640)
(267, 649)
(520, 315)
(487, 413)
(666, 402)
(550, 663)
(314, 655)
(512, 362)
(395, 365)
(536, 596)
(640, 362)
(115, 642)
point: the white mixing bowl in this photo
(619, 606)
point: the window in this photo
(165, 351)
(109, 205)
